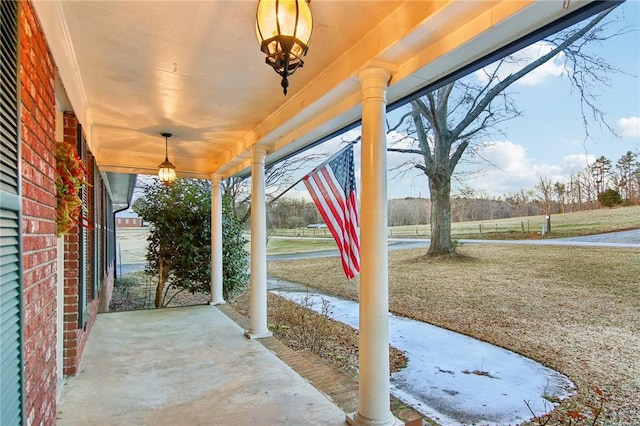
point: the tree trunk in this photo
(441, 244)
(163, 275)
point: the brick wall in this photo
(71, 280)
(38, 220)
(75, 338)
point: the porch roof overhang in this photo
(134, 69)
(120, 187)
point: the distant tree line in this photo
(584, 188)
(289, 213)
(601, 184)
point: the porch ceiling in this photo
(134, 69)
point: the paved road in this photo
(625, 237)
(628, 239)
(127, 268)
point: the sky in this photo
(548, 140)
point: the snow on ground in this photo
(452, 378)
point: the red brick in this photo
(37, 133)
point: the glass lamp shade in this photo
(283, 28)
(167, 172)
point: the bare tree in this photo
(575, 193)
(519, 203)
(545, 190)
(600, 169)
(625, 166)
(559, 189)
(443, 124)
(588, 188)
(635, 183)
(277, 177)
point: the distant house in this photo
(128, 219)
(128, 222)
(317, 225)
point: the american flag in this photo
(332, 186)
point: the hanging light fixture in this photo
(166, 171)
(284, 28)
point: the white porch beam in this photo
(258, 291)
(374, 386)
(216, 241)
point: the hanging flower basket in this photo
(70, 179)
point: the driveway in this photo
(630, 239)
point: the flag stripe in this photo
(332, 218)
(332, 187)
(327, 190)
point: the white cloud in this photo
(515, 170)
(507, 156)
(577, 162)
(550, 69)
(299, 194)
(629, 126)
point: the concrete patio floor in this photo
(186, 366)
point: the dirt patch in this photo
(139, 293)
(302, 328)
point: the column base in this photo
(217, 302)
(250, 334)
(356, 419)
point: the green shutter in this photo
(97, 232)
(83, 237)
(11, 397)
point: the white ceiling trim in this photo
(420, 61)
(55, 27)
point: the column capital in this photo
(215, 178)
(259, 151)
(374, 80)
(377, 70)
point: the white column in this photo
(258, 291)
(374, 386)
(216, 241)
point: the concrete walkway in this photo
(186, 366)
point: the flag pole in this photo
(302, 178)
(286, 190)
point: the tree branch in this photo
(512, 78)
(458, 154)
(406, 150)
(423, 140)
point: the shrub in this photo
(235, 259)
(610, 198)
(179, 250)
(311, 330)
(124, 284)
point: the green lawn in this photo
(562, 225)
(281, 246)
